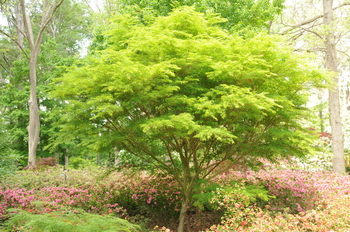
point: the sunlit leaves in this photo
(182, 87)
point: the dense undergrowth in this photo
(270, 200)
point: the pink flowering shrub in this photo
(300, 190)
(123, 194)
(89, 200)
(296, 190)
(157, 196)
(317, 201)
(15, 198)
(334, 217)
(53, 199)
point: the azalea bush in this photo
(125, 194)
(240, 203)
(294, 190)
(53, 176)
(333, 216)
(303, 201)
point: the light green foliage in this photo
(80, 163)
(203, 194)
(78, 221)
(239, 202)
(240, 193)
(184, 87)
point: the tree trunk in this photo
(34, 117)
(57, 157)
(98, 159)
(20, 28)
(34, 47)
(66, 161)
(183, 212)
(116, 160)
(334, 100)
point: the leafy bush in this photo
(124, 194)
(66, 221)
(240, 203)
(43, 163)
(334, 217)
(327, 209)
(80, 163)
(53, 176)
(8, 163)
(300, 190)
(204, 193)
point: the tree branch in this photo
(45, 20)
(15, 41)
(311, 20)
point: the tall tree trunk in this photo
(334, 100)
(116, 154)
(34, 117)
(48, 11)
(20, 28)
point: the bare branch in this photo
(27, 25)
(46, 21)
(292, 27)
(15, 41)
(313, 32)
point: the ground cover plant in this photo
(265, 200)
(65, 220)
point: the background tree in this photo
(334, 98)
(325, 38)
(34, 43)
(187, 97)
(60, 43)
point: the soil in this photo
(195, 221)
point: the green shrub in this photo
(81, 163)
(240, 202)
(204, 192)
(8, 164)
(77, 221)
(53, 176)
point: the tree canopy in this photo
(185, 95)
(240, 14)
